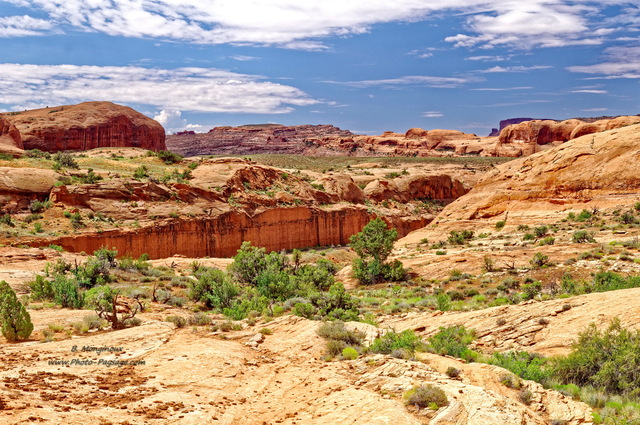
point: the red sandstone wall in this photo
(274, 229)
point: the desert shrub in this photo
(500, 224)
(337, 331)
(539, 260)
(37, 153)
(304, 310)
(540, 231)
(66, 292)
(443, 302)
(6, 220)
(523, 364)
(549, 240)
(391, 341)
(215, 288)
(110, 306)
(459, 238)
(424, 396)
(532, 289)
(582, 236)
(511, 381)
(350, 353)
(336, 303)
(526, 396)
(141, 172)
(489, 264)
(16, 321)
(200, 319)
(64, 159)
(453, 341)
(39, 206)
(179, 321)
(169, 157)
(250, 300)
(248, 263)
(605, 359)
(452, 372)
(41, 288)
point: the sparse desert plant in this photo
(453, 341)
(526, 396)
(582, 236)
(539, 260)
(489, 265)
(179, 321)
(350, 353)
(510, 380)
(391, 341)
(453, 372)
(426, 396)
(373, 245)
(500, 224)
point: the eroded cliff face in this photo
(10, 140)
(87, 126)
(528, 137)
(275, 229)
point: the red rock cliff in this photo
(86, 126)
(276, 229)
(10, 140)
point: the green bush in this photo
(337, 331)
(500, 224)
(169, 157)
(373, 245)
(540, 231)
(66, 292)
(453, 341)
(350, 353)
(523, 364)
(304, 310)
(41, 289)
(392, 341)
(582, 236)
(605, 359)
(215, 288)
(248, 263)
(424, 396)
(459, 238)
(539, 260)
(16, 321)
(179, 321)
(38, 206)
(532, 289)
(141, 172)
(64, 159)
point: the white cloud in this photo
(20, 26)
(591, 91)
(171, 120)
(182, 89)
(594, 110)
(620, 62)
(496, 69)
(503, 88)
(411, 80)
(299, 24)
(433, 114)
(486, 58)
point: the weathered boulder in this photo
(87, 126)
(19, 186)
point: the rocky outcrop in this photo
(87, 126)
(529, 137)
(10, 140)
(427, 187)
(254, 139)
(19, 186)
(326, 140)
(275, 229)
(599, 168)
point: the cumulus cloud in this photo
(171, 120)
(303, 24)
(182, 89)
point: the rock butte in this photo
(86, 126)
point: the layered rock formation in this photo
(529, 137)
(10, 140)
(599, 168)
(326, 140)
(252, 139)
(87, 126)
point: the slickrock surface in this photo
(10, 140)
(87, 126)
(194, 377)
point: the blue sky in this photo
(364, 65)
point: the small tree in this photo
(16, 321)
(373, 245)
(111, 306)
